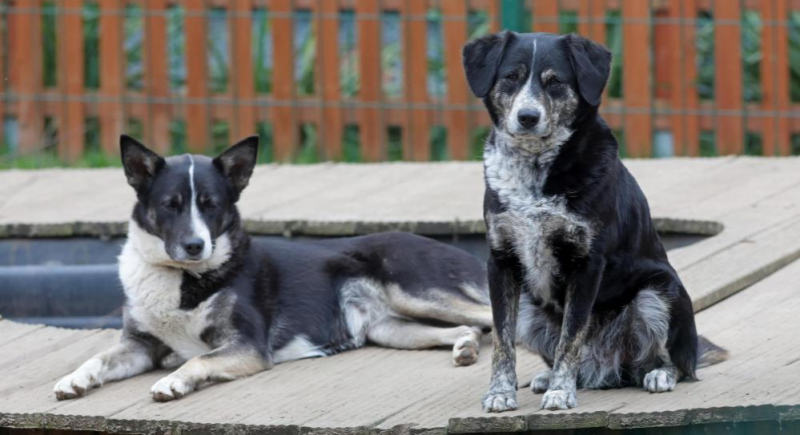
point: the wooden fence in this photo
(657, 106)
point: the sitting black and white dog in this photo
(574, 254)
(200, 296)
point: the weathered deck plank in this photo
(382, 388)
(756, 200)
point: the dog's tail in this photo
(709, 353)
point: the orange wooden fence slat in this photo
(243, 81)
(728, 77)
(328, 63)
(112, 118)
(417, 135)
(197, 114)
(3, 77)
(545, 16)
(156, 75)
(456, 120)
(71, 123)
(636, 85)
(783, 79)
(493, 10)
(775, 77)
(284, 126)
(369, 41)
(584, 10)
(28, 74)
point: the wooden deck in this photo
(753, 204)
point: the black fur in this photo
(585, 174)
(293, 284)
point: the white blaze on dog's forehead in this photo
(199, 227)
(526, 100)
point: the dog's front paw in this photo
(170, 388)
(467, 347)
(541, 382)
(77, 383)
(660, 381)
(500, 401)
(559, 399)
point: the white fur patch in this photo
(530, 216)
(300, 347)
(152, 284)
(199, 226)
(83, 379)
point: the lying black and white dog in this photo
(574, 254)
(201, 297)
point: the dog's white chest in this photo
(153, 296)
(531, 220)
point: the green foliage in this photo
(91, 45)
(49, 44)
(177, 136)
(437, 71)
(262, 51)
(307, 152)
(567, 21)
(753, 144)
(220, 137)
(704, 44)
(305, 52)
(135, 129)
(134, 43)
(620, 135)
(218, 50)
(477, 140)
(394, 139)
(439, 151)
(391, 55)
(614, 43)
(266, 142)
(349, 77)
(794, 54)
(176, 48)
(751, 56)
(708, 144)
(351, 144)
(795, 150)
(478, 24)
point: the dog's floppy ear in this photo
(481, 58)
(238, 161)
(592, 65)
(141, 165)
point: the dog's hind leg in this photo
(444, 305)
(403, 334)
(229, 362)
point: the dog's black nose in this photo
(193, 246)
(528, 118)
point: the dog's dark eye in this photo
(207, 203)
(552, 80)
(512, 76)
(171, 204)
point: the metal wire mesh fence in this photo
(373, 80)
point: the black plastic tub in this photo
(73, 282)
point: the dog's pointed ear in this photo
(592, 65)
(238, 161)
(141, 165)
(481, 58)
